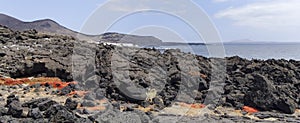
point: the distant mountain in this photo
(45, 26)
(131, 39)
(51, 27)
(248, 41)
(241, 41)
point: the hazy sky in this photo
(258, 20)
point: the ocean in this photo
(248, 51)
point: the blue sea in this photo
(248, 51)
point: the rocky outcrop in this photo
(145, 76)
(266, 85)
(32, 54)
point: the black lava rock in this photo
(46, 104)
(66, 90)
(126, 74)
(264, 95)
(15, 109)
(35, 113)
(90, 96)
(88, 103)
(158, 103)
(286, 105)
(59, 113)
(3, 111)
(71, 104)
(2, 54)
(34, 103)
(145, 104)
(11, 98)
(100, 93)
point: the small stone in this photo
(158, 103)
(55, 92)
(263, 115)
(87, 103)
(52, 110)
(14, 87)
(89, 96)
(76, 96)
(3, 111)
(46, 104)
(86, 111)
(74, 86)
(71, 104)
(35, 113)
(25, 112)
(217, 112)
(63, 116)
(145, 104)
(36, 90)
(11, 98)
(36, 86)
(115, 104)
(244, 112)
(131, 107)
(47, 89)
(15, 109)
(34, 103)
(100, 94)
(66, 90)
(2, 54)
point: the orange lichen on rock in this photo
(53, 81)
(58, 84)
(10, 81)
(44, 79)
(250, 109)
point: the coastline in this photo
(270, 86)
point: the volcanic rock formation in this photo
(141, 77)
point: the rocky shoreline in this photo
(138, 84)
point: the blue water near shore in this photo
(248, 51)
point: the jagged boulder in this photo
(264, 95)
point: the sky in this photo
(255, 20)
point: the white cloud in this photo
(273, 14)
(220, 1)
